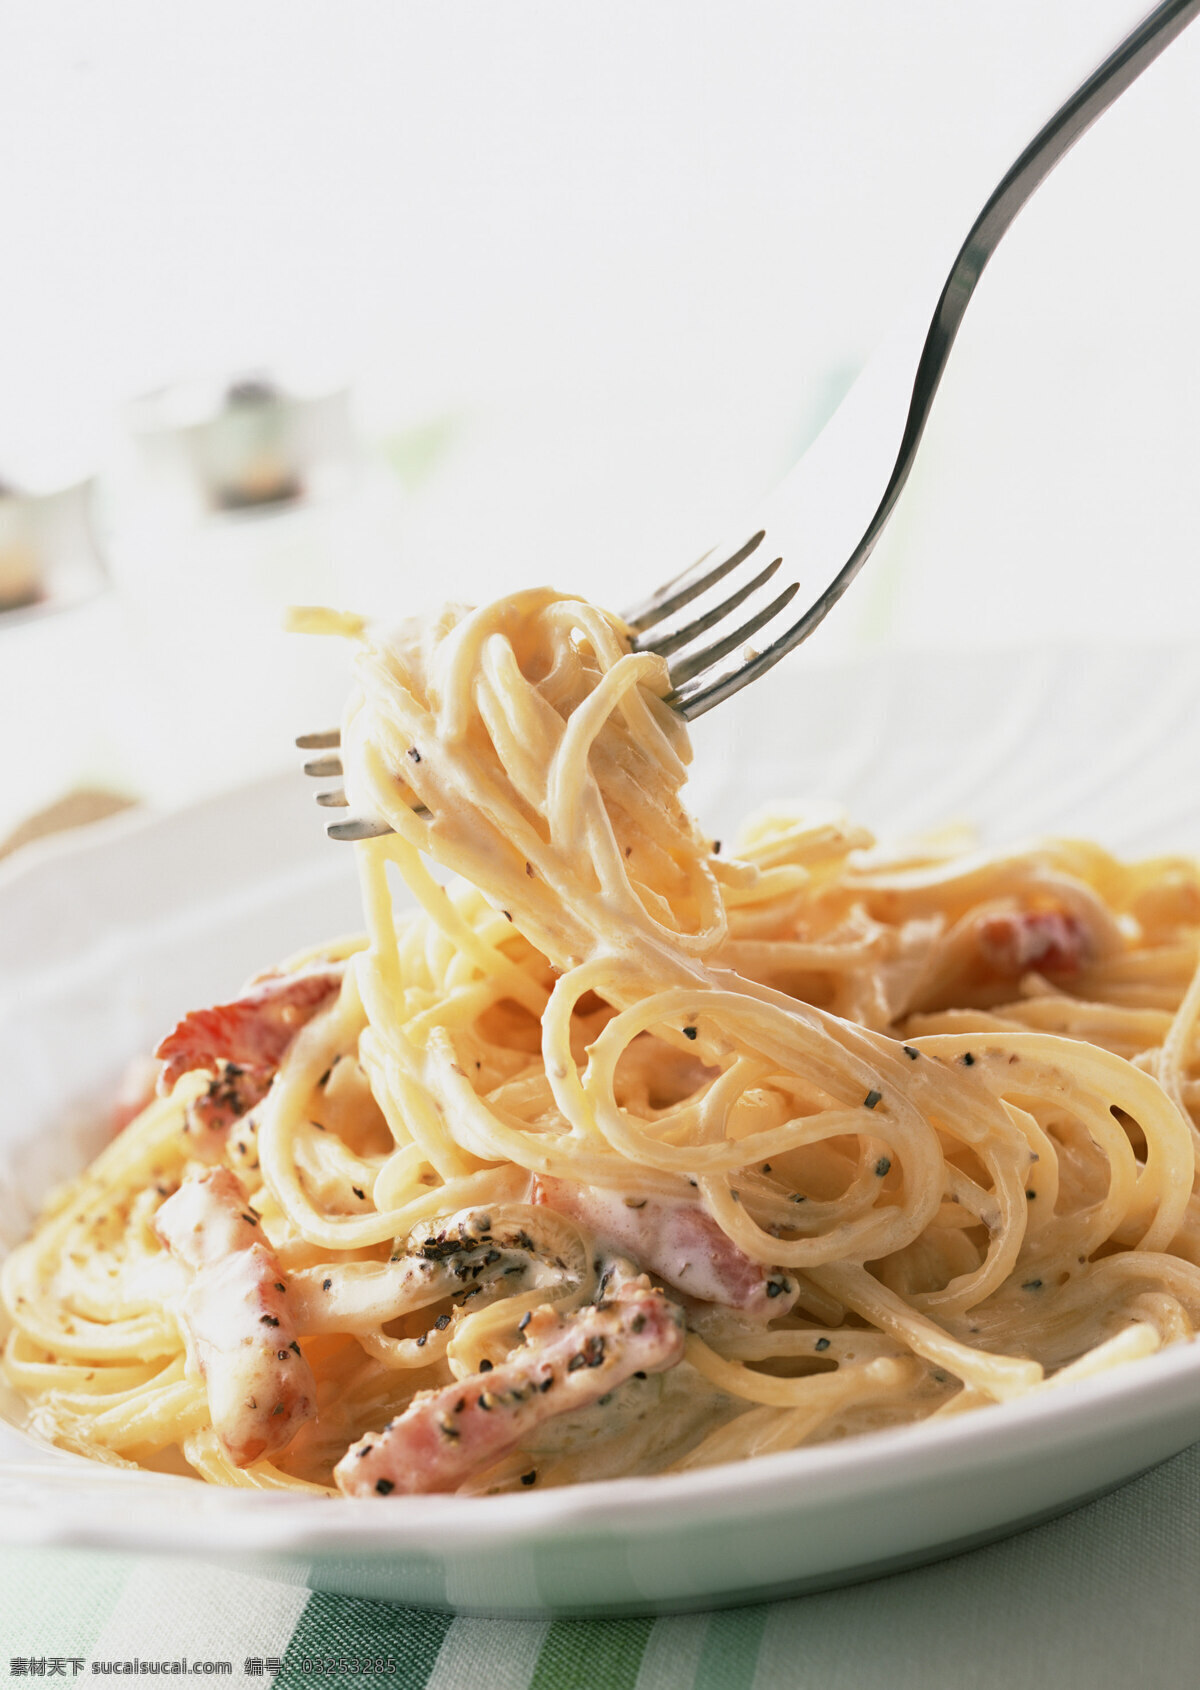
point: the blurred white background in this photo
(598, 271)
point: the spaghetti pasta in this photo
(616, 1155)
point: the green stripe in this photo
(338, 1626)
(591, 1655)
(57, 1601)
(730, 1652)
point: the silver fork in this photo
(828, 508)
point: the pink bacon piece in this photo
(1048, 941)
(235, 1314)
(254, 1031)
(445, 1436)
(232, 1093)
(680, 1242)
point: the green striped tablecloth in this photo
(1108, 1596)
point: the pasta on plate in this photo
(620, 1154)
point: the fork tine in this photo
(702, 697)
(695, 701)
(359, 828)
(320, 742)
(321, 766)
(335, 800)
(667, 643)
(701, 660)
(684, 588)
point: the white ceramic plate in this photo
(105, 940)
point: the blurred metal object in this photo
(49, 557)
(254, 440)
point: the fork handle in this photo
(856, 447)
(1053, 141)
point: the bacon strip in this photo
(572, 1360)
(236, 1318)
(680, 1242)
(231, 1094)
(254, 1031)
(1049, 941)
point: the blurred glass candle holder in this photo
(258, 439)
(49, 557)
(59, 645)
